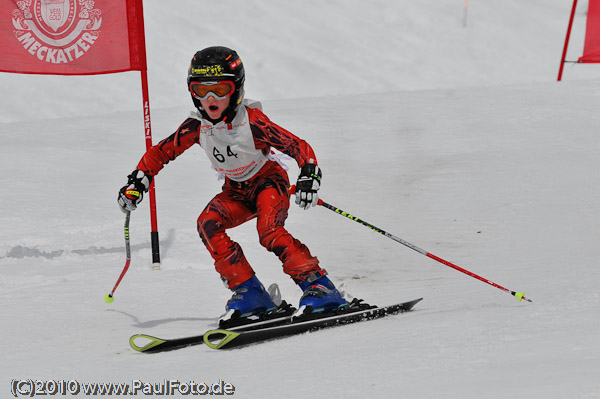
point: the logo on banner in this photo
(56, 31)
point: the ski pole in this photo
(109, 297)
(519, 295)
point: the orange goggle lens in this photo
(219, 90)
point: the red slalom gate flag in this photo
(79, 37)
(72, 37)
(591, 46)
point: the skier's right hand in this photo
(131, 194)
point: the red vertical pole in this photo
(137, 42)
(137, 53)
(564, 54)
(151, 191)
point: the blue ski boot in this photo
(249, 298)
(320, 295)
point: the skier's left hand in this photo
(309, 182)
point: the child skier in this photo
(237, 138)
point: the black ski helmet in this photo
(215, 64)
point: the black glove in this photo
(132, 193)
(309, 181)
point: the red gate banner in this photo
(591, 46)
(78, 37)
(72, 37)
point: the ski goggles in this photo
(219, 90)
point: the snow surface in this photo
(456, 139)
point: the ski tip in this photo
(151, 343)
(409, 305)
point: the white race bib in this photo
(230, 147)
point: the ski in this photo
(226, 339)
(263, 330)
(281, 315)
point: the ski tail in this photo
(149, 344)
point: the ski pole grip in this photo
(293, 192)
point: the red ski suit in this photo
(264, 194)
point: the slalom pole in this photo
(151, 190)
(519, 295)
(108, 298)
(564, 53)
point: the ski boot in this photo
(320, 295)
(249, 298)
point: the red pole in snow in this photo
(138, 24)
(564, 54)
(151, 191)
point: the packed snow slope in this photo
(453, 138)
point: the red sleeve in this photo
(268, 134)
(170, 148)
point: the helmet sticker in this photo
(208, 70)
(235, 63)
